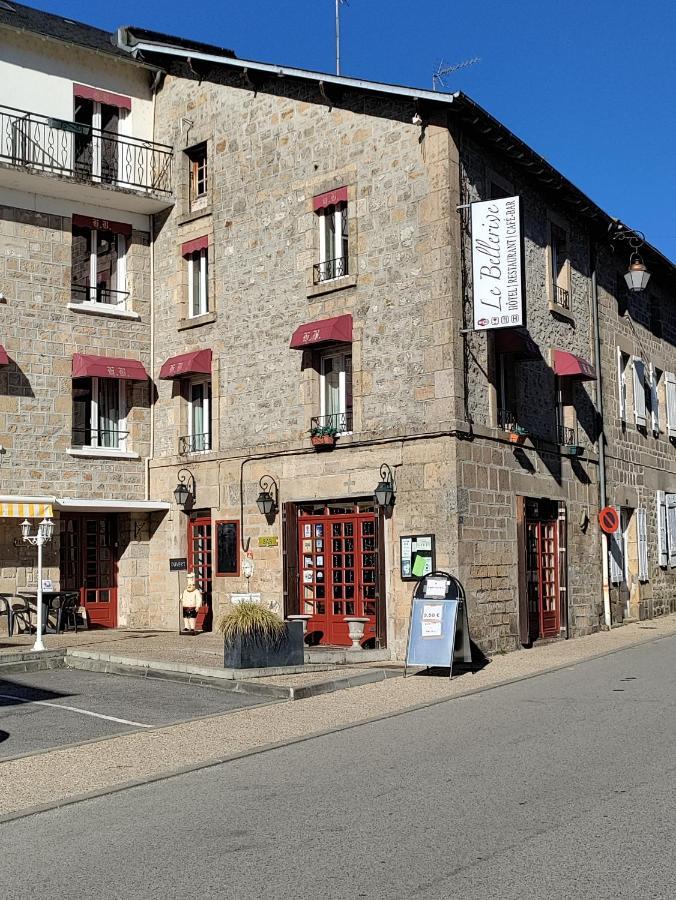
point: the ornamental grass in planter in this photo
(254, 637)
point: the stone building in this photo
(80, 179)
(304, 276)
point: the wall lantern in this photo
(384, 492)
(637, 275)
(268, 497)
(185, 489)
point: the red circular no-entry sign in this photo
(609, 519)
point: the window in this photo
(198, 283)
(227, 547)
(198, 184)
(199, 417)
(641, 392)
(666, 529)
(96, 144)
(670, 402)
(99, 414)
(566, 413)
(656, 383)
(331, 210)
(622, 365)
(336, 391)
(98, 263)
(560, 267)
(508, 411)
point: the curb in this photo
(266, 748)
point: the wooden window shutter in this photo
(621, 386)
(290, 558)
(670, 392)
(640, 412)
(616, 554)
(671, 528)
(642, 535)
(654, 401)
(662, 537)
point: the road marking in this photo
(76, 709)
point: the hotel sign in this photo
(497, 253)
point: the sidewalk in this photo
(55, 777)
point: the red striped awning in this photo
(87, 366)
(330, 198)
(101, 96)
(325, 331)
(4, 359)
(200, 243)
(198, 362)
(567, 365)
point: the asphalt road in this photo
(561, 786)
(42, 710)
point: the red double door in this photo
(338, 572)
(542, 578)
(199, 562)
(89, 565)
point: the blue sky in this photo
(590, 85)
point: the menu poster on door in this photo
(417, 555)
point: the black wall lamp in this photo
(637, 276)
(185, 492)
(384, 493)
(268, 498)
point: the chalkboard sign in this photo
(227, 548)
(178, 564)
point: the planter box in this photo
(250, 652)
(323, 441)
(572, 450)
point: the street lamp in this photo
(268, 497)
(637, 275)
(385, 491)
(185, 489)
(43, 535)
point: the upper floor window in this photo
(198, 283)
(332, 218)
(559, 267)
(198, 439)
(98, 262)
(99, 413)
(335, 372)
(96, 144)
(197, 176)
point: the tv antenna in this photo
(443, 71)
(339, 3)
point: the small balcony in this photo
(194, 443)
(341, 422)
(561, 297)
(81, 161)
(105, 296)
(330, 269)
(569, 441)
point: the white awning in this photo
(74, 504)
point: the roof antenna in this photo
(338, 5)
(443, 71)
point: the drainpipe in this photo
(151, 448)
(603, 498)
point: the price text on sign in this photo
(609, 520)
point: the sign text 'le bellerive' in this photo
(496, 264)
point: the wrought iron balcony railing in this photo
(561, 297)
(82, 293)
(194, 443)
(103, 438)
(342, 422)
(45, 144)
(330, 268)
(567, 436)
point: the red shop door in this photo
(338, 566)
(199, 562)
(89, 565)
(542, 578)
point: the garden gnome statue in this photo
(191, 600)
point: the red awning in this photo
(104, 224)
(198, 362)
(4, 359)
(516, 341)
(86, 366)
(330, 198)
(567, 365)
(108, 97)
(200, 243)
(326, 331)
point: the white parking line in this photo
(75, 709)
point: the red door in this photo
(89, 565)
(338, 565)
(542, 577)
(199, 562)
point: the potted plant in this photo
(255, 637)
(517, 433)
(323, 435)
(572, 450)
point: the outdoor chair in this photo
(21, 614)
(66, 607)
(6, 610)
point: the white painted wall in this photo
(37, 75)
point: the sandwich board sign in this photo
(438, 631)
